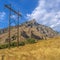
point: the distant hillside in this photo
(30, 29)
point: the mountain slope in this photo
(40, 29)
(30, 29)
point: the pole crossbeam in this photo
(13, 10)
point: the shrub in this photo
(31, 41)
(13, 44)
(21, 43)
(3, 46)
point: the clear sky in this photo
(25, 7)
(46, 12)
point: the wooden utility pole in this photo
(3, 56)
(18, 30)
(9, 27)
(12, 10)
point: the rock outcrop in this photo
(30, 29)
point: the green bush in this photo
(31, 41)
(13, 44)
(3, 46)
(21, 43)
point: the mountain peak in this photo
(33, 21)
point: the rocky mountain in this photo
(39, 29)
(29, 29)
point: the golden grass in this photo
(43, 50)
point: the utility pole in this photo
(19, 15)
(9, 27)
(18, 30)
(30, 31)
(3, 56)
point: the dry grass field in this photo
(42, 50)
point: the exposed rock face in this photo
(39, 30)
(30, 29)
(24, 34)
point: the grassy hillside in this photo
(42, 50)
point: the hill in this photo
(30, 29)
(42, 50)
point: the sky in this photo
(46, 12)
(24, 6)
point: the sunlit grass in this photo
(42, 50)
